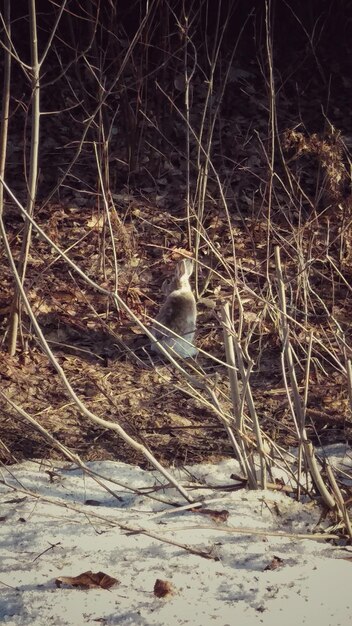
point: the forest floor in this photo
(104, 354)
(108, 361)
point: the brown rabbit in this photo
(178, 313)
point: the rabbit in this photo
(178, 313)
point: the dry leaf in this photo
(217, 516)
(88, 580)
(137, 330)
(163, 588)
(96, 221)
(274, 564)
(178, 253)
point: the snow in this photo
(48, 531)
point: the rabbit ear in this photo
(184, 268)
(165, 287)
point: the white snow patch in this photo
(42, 540)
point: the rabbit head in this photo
(183, 272)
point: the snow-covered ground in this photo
(58, 522)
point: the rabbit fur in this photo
(178, 313)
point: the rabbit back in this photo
(178, 313)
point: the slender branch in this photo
(5, 99)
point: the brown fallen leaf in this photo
(96, 221)
(163, 588)
(217, 516)
(178, 253)
(88, 580)
(275, 563)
